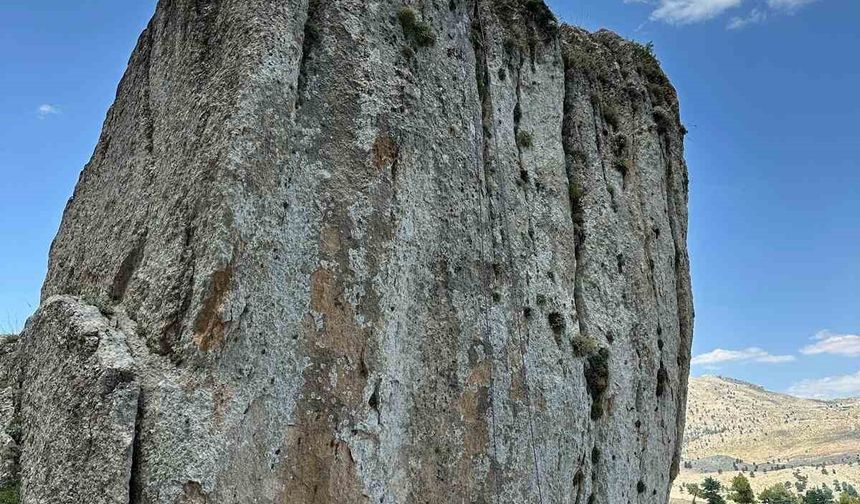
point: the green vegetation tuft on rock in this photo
(597, 380)
(524, 139)
(10, 494)
(419, 33)
(584, 345)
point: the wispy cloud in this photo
(691, 11)
(46, 109)
(831, 387)
(752, 354)
(827, 342)
(684, 12)
(788, 5)
(755, 16)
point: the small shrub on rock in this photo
(418, 32)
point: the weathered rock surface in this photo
(361, 252)
(9, 425)
(79, 407)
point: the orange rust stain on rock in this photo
(517, 391)
(192, 493)
(480, 375)
(320, 468)
(473, 405)
(340, 335)
(476, 438)
(385, 151)
(222, 396)
(208, 326)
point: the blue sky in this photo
(770, 92)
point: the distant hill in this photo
(734, 426)
(727, 417)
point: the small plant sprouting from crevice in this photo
(527, 23)
(647, 62)
(585, 60)
(584, 345)
(597, 380)
(524, 139)
(542, 15)
(659, 88)
(419, 33)
(619, 144)
(623, 166)
(663, 119)
(611, 116)
(577, 209)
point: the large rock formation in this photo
(361, 251)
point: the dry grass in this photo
(740, 420)
(818, 440)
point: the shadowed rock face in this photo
(356, 252)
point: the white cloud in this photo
(682, 12)
(832, 343)
(47, 109)
(752, 354)
(788, 5)
(755, 16)
(691, 11)
(832, 387)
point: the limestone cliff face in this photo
(360, 251)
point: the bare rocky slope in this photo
(775, 439)
(349, 251)
(737, 420)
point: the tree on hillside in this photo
(740, 490)
(711, 491)
(819, 496)
(778, 494)
(694, 490)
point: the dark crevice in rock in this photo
(481, 173)
(126, 269)
(135, 486)
(683, 305)
(207, 33)
(311, 40)
(574, 159)
(373, 401)
(149, 120)
(662, 380)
